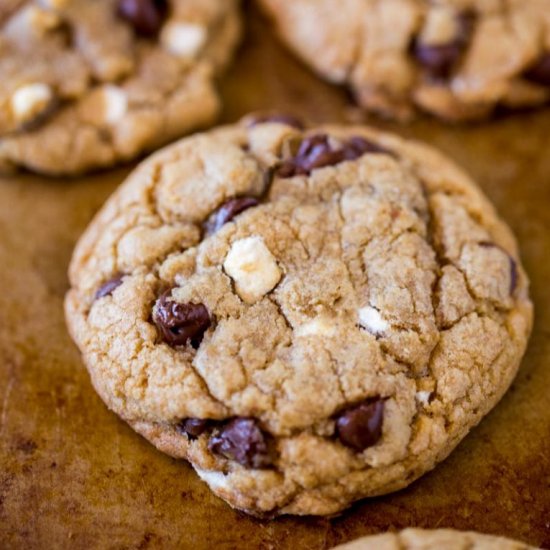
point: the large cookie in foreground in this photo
(457, 59)
(438, 539)
(308, 316)
(89, 84)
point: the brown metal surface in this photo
(74, 476)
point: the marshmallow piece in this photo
(183, 39)
(370, 319)
(319, 326)
(253, 268)
(440, 27)
(29, 101)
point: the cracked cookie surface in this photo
(86, 85)
(308, 316)
(456, 59)
(438, 539)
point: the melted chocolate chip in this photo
(180, 323)
(317, 152)
(282, 118)
(440, 60)
(539, 72)
(193, 427)
(361, 426)
(229, 210)
(243, 441)
(107, 288)
(145, 16)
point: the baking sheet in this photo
(74, 476)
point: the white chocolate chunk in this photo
(319, 326)
(29, 24)
(105, 105)
(183, 39)
(215, 480)
(253, 268)
(370, 319)
(30, 100)
(115, 104)
(440, 26)
(423, 397)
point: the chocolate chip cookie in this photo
(86, 85)
(456, 59)
(309, 317)
(439, 539)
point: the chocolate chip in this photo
(146, 16)
(361, 426)
(317, 152)
(282, 118)
(193, 427)
(180, 323)
(513, 264)
(539, 72)
(440, 60)
(358, 146)
(243, 441)
(107, 288)
(314, 152)
(228, 211)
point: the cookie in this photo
(439, 539)
(309, 317)
(87, 85)
(456, 59)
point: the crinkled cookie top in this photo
(86, 84)
(457, 59)
(313, 315)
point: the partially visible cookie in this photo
(438, 539)
(457, 59)
(88, 84)
(308, 316)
